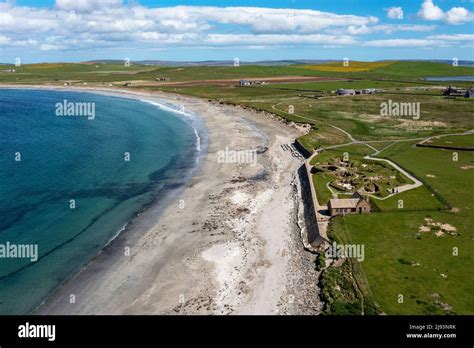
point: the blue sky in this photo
(78, 30)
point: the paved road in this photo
(400, 189)
(416, 182)
(322, 220)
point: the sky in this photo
(196, 30)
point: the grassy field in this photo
(323, 135)
(348, 67)
(358, 150)
(327, 86)
(396, 148)
(397, 71)
(464, 141)
(359, 115)
(413, 71)
(364, 173)
(419, 199)
(323, 193)
(421, 70)
(393, 70)
(402, 260)
(312, 102)
(119, 72)
(78, 73)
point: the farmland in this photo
(408, 251)
(311, 102)
(463, 142)
(409, 246)
(349, 67)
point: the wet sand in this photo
(228, 243)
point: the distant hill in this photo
(461, 62)
(262, 62)
(212, 62)
(440, 61)
(169, 63)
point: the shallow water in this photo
(68, 186)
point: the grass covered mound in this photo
(342, 173)
(423, 257)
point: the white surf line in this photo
(180, 110)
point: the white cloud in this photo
(264, 20)
(49, 47)
(4, 39)
(363, 29)
(402, 43)
(456, 15)
(85, 22)
(385, 28)
(395, 13)
(432, 41)
(459, 15)
(86, 5)
(88, 24)
(275, 39)
(405, 27)
(453, 37)
(111, 15)
(430, 11)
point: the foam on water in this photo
(75, 158)
(179, 110)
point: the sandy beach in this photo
(229, 243)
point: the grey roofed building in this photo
(357, 204)
(345, 92)
(348, 203)
(454, 92)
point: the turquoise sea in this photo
(68, 186)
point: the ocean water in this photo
(66, 184)
(466, 78)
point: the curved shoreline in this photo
(164, 195)
(234, 249)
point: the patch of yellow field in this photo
(352, 66)
(46, 65)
